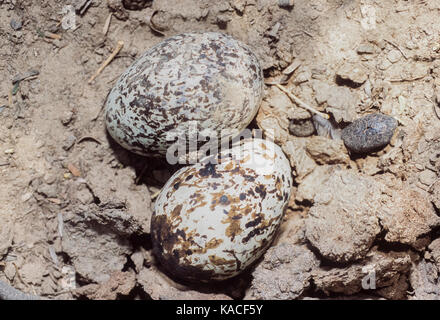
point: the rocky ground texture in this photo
(75, 207)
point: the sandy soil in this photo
(75, 207)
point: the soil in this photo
(75, 207)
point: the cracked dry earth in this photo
(75, 207)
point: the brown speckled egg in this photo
(207, 80)
(212, 220)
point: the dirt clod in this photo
(284, 273)
(407, 216)
(380, 270)
(342, 224)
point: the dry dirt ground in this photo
(75, 207)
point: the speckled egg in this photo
(212, 220)
(205, 80)
(369, 133)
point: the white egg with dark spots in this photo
(212, 220)
(209, 81)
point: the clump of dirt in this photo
(75, 207)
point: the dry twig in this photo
(52, 35)
(10, 98)
(107, 61)
(300, 102)
(398, 48)
(107, 24)
(89, 138)
(154, 196)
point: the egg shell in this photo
(212, 220)
(207, 80)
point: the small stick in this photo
(107, 24)
(430, 186)
(106, 62)
(52, 35)
(85, 7)
(30, 78)
(100, 109)
(308, 33)
(23, 76)
(301, 103)
(398, 48)
(115, 78)
(89, 138)
(10, 98)
(407, 79)
(154, 196)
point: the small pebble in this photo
(394, 56)
(48, 190)
(301, 127)
(74, 170)
(26, 196)
(69, 142)
(67, 117)
(136, 4)
(285, 3)
(369, 133)
(354, 73)
(365, 48)
(16, 24)
(50, 178)
(427, 177)
(303, 76)
(385, 64)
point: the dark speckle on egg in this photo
(207, 80)
(224, 199)
(369, 133)
(218, 221)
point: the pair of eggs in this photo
(214, 218)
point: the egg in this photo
(213, 219)
(207, 81)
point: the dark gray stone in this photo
(16, 24)
(301, 127)
(136, 4)
(369, 133)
